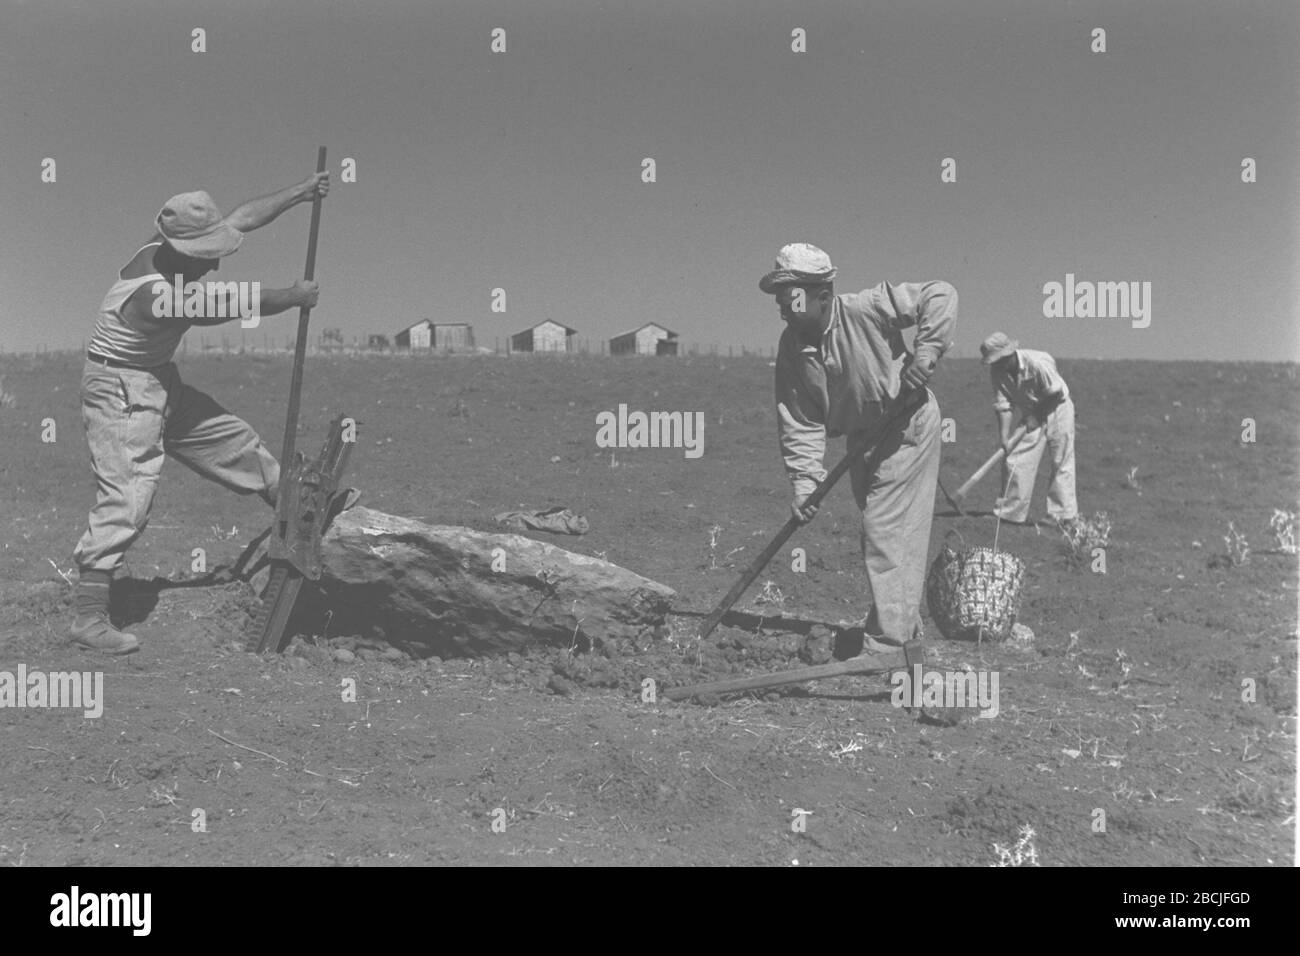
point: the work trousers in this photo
(133, 417)
(896, 498)
(1056, 436)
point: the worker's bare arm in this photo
(1004, 428)
(256, 213)
(221, 307)
(302, 293)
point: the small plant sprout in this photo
(1283, 528)
(771, 594)
(1238, 547)
(714, 532)
(572, 649)
(1125, 665)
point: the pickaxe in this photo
(907, 404)
(904, 658)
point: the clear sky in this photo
(522, 169)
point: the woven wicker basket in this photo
(974, 592)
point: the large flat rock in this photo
(438, 589)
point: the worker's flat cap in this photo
(798, 262)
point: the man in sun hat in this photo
(135, 407)
(1027, 380)
(841, 366)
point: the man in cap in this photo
(841, 367)
(1027, 380)
(134, 405)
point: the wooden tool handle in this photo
(300, 349)
(985, 468)
(862, 664)
(910, 401)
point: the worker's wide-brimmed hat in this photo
(193, 225)
(997, 346)
(796, 263)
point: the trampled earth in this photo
(1158, 697)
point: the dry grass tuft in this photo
(1084, 534)
(1022, 853)
(1283, 527)
(1238, 546)
(771, 594)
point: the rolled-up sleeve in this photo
(800, 420)
(1048, 381)
(930, 306)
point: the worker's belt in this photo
(114, 363)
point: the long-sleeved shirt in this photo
(842, 385)
(1035, 380)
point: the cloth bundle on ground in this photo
(558, 520)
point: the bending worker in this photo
(1027, 380)
(841, 366)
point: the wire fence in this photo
(200, 345)
(265, 344)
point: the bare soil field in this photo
(1126, 708)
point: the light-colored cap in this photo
(798, 262)
(997, 346)
(193, 225)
